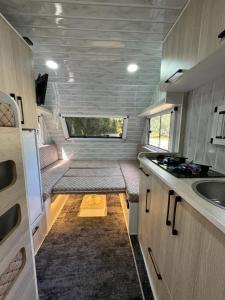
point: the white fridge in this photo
(32, 174)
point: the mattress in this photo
(89, 184)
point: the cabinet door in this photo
(7, 74)
(32, 170)
(209, 282)
(25, 87)
(213, 23)
(181, 274)
(176, 255)
(16, 74)
(180, 49)
(144, 207)
(157, 238)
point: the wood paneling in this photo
(212, 24)
(200, 107)
(180, 49)
(16, 72)
(25, 285)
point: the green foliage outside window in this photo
(160, 131)
(94, 127)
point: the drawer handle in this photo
(154, 264)
(146, 201)
(177, 199)
(143, 172)
(171, 193)
(222, 34)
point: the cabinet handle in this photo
(12, 96)
(128, 206)
(154, 264)
(177, 199)
(175, 76)
(20, 104)
(146, 201)
(222, 35)
(35, 230)
(168, 222)
(144, 172)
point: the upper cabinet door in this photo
(180, 49)
(7, 67)
(25, 83)
(213, 23)
(16, 76)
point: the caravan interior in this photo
(112, 149)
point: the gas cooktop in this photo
(179, 167)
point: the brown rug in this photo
(88, 258)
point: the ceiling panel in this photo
(93, 41)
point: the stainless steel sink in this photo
(212, 191)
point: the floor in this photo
(88, 258)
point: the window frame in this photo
(171, 131)
(119, 139)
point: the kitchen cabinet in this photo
(180, 48)
(16, 75)
(7, 74)
(187, 253)
(193, 39)
(212, 24)
(150, 225)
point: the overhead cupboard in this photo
(16, 76)
(189, 48)
(184, 252)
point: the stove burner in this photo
(178, 167)
(170, 160)
(190, 169)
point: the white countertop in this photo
(183, 187)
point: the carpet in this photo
(87, 258)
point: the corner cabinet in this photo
(184, 252)
(16, 77)
(193, 38)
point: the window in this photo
(94, 127)
(159, 135)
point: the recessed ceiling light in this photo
(132, 68)
(51, 64)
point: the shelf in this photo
(205, 71)
(168, 102)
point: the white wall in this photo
(119, 102)
(200, 108)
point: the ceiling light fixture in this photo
(132, 68)
(58, 9)
(51, 64)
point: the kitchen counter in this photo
(183, 187)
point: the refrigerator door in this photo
(32, 172)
